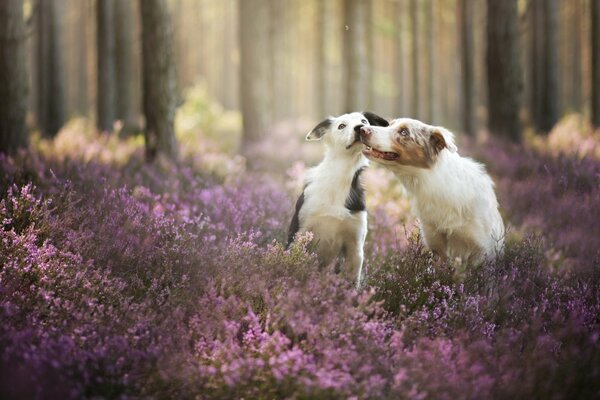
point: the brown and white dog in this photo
(453, 197)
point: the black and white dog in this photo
(332, 205)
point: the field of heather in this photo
(121, 279)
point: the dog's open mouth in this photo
(384, 155)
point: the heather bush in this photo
(120, 279)
(411, 280)
(68, 328)
(554, 195)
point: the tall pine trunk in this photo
(278, 46)
(254, 70)
(81, 79)
(105, 47)
(534, 75)
(430, 23)
(159, 86)
(50, 79)
(414, 58)
(124, 64)
(576, 54)
(544, 108)
(400, 17)
(549, 100)
(503, 69)
(356, 63)
(465, 21)
(13, 77)
(321, 64)
(595, 39)
(228, 87)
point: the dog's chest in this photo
(331, 211)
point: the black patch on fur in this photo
(355, 201)
(295, 224)
(321, 128)
(374, 119)
(357, 133)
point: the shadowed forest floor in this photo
(122, 279)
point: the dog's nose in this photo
(365, 131)
(357, 128)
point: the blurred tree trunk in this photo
(13, 77)
(445, 68)
(227, 86)
(370, 35)
(199, 36)
(82, 78)
(400, 17)
(159, 86)
(321, 65)
(576, 54)
(543, 64)
(92, 64)
(465, 21)
(595, 39)
(105, 47)
(50, 80)
(254, 69)
(278, 24)
(180, 41)
(535, 61)
(357, 79)
(414, 57)
(124, 63)
(430, 61)
(503, 69)
(480, 70)
(549, 108)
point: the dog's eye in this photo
(364, 122)
(404, 132)
(341, 126)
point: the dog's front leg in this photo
(352, 268)
(354, 265)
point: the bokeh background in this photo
(151, 153)
(286, 64)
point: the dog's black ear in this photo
(375, 120)
(318, 131)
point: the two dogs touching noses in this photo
(452, 196)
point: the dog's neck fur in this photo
(443, 193)
(433, 187)
(415, 179)
(331, 180)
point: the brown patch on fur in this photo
(437, 141)
(419, 148)
(411, 153)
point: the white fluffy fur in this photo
(326, 188)
(453, 199)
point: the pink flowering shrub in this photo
(557, 196)
(144, 281)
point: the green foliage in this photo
(202, 121)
